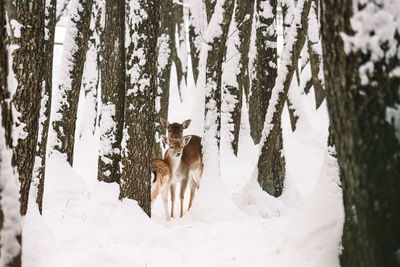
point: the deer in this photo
(184, 157)
(160, 182)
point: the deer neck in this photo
(173, 162)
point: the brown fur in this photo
(163, 175)
(189, 163)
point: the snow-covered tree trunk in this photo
(178, 44)
(271, 132)
(235, 74)
(67, 96)
(197, 27)
(361, 48)
(315, 53)
(10, 217)
(165, 45)
(27, 66)
(265, 66)
(210, 7)
(38, 175)
(138, 135)
(91, 72)
(218, 33)
(112, 65)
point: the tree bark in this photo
(265, 66)
(243, 18)
(44, 117)
(10, 216)
(216, 54)
(26, 99)
(138, 137)
(112, 67)
(178, 43)
(166, 46)
(364, 116)
(74, 59)
(314, 51)
(271, 138)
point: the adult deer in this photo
(184, 157)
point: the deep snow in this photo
(232, 223)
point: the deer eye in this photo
(172, 147)
(181, 146)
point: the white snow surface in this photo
(232, 221)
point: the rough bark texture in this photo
(366, 140)
(165, 47)
(315, 62)
(27, 66)
(112, 68)
(216, 54)
(44, 120)
(269, 177)
(243, 17)
(265, 66)
(139, 102)
(65, 126)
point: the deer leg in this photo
(193, 186)
(164, 195)
(182, 194)
(172, 189)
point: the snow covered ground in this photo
(84, 223)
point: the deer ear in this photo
(164, 123)
(165, 139)
(186, 139)
(186, 124)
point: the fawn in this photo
(161, 181)
(184, 158)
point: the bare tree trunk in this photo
(44, 119)
(265, 66)
(364, 108)
(215, 57)
(66, 105)
(112, 67)
(165, 46)
(271, 137)
(210, 7)
(141, 89)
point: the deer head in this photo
(176, 145)
(175, 130)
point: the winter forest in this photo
(200, 133)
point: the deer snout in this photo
(178, 154)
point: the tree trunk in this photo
(26, 99)
(265, 66)
(10, 217)
(112, 67)
(44, 117)
(165, 46)
(66, 106)
(238, 60)
(141, 87)
(364, 111)
(215, 57)
(315, 54)
(271, 138)
(178, 43)
(197, 26)
(210, 7)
